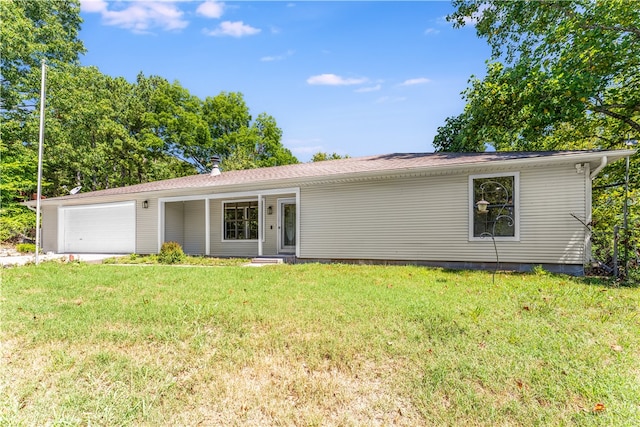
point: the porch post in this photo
(298, 222)
(260, 224)
(207, 226)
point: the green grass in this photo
(314, 345)
(186, 260)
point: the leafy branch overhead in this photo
(563, 74)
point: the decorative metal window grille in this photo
(497, 194)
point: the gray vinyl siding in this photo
(174, 222)
(147, 227)
(194, 227)
(426, 219)
(49, 229)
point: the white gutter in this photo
(597, 170)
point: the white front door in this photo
(287, 233)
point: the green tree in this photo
(29, 32)
(321, 156)
(558, 69)
(240, 141)
(104, 132)
(32, 31)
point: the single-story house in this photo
(444, 209)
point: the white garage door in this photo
(107, 228)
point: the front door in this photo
(287, 226)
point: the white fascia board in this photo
(236, 194)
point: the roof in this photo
(356, 166)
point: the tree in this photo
(321, 156)
(558, 69)
(457, 136)
(30, 31)
(242, 143)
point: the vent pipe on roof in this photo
(215, 168)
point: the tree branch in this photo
(625, 119)
(616, 28)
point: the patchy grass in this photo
(187, 260)
(314, 345)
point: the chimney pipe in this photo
(215, 168)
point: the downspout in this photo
(597, 170)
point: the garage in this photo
(103, 228)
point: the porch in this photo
(240, 224)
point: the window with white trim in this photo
(240, 220)
(494, 208)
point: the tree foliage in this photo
(321, 156)
(562, 74)
(29, 32)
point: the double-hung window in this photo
(241, 220)
(494, 206)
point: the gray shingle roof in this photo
(334, 169)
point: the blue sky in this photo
(356, 78)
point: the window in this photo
(241, 220)
(494, 206)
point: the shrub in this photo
(171, 253)
(26, 248)
(539, 270)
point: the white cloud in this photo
(233, 29)
(211, 9)
(369, 89)
(431, 31)
(139, 17)
(277, 57)
(413, 82)
(334, 80)
(92, 6)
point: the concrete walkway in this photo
(7, 261)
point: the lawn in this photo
(314, 345)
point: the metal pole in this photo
(625, 214)
(615, 251)
(40, 150)
(625, 209)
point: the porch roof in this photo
(356, 166)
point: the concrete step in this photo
(265, 260)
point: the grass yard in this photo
(314, 345)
